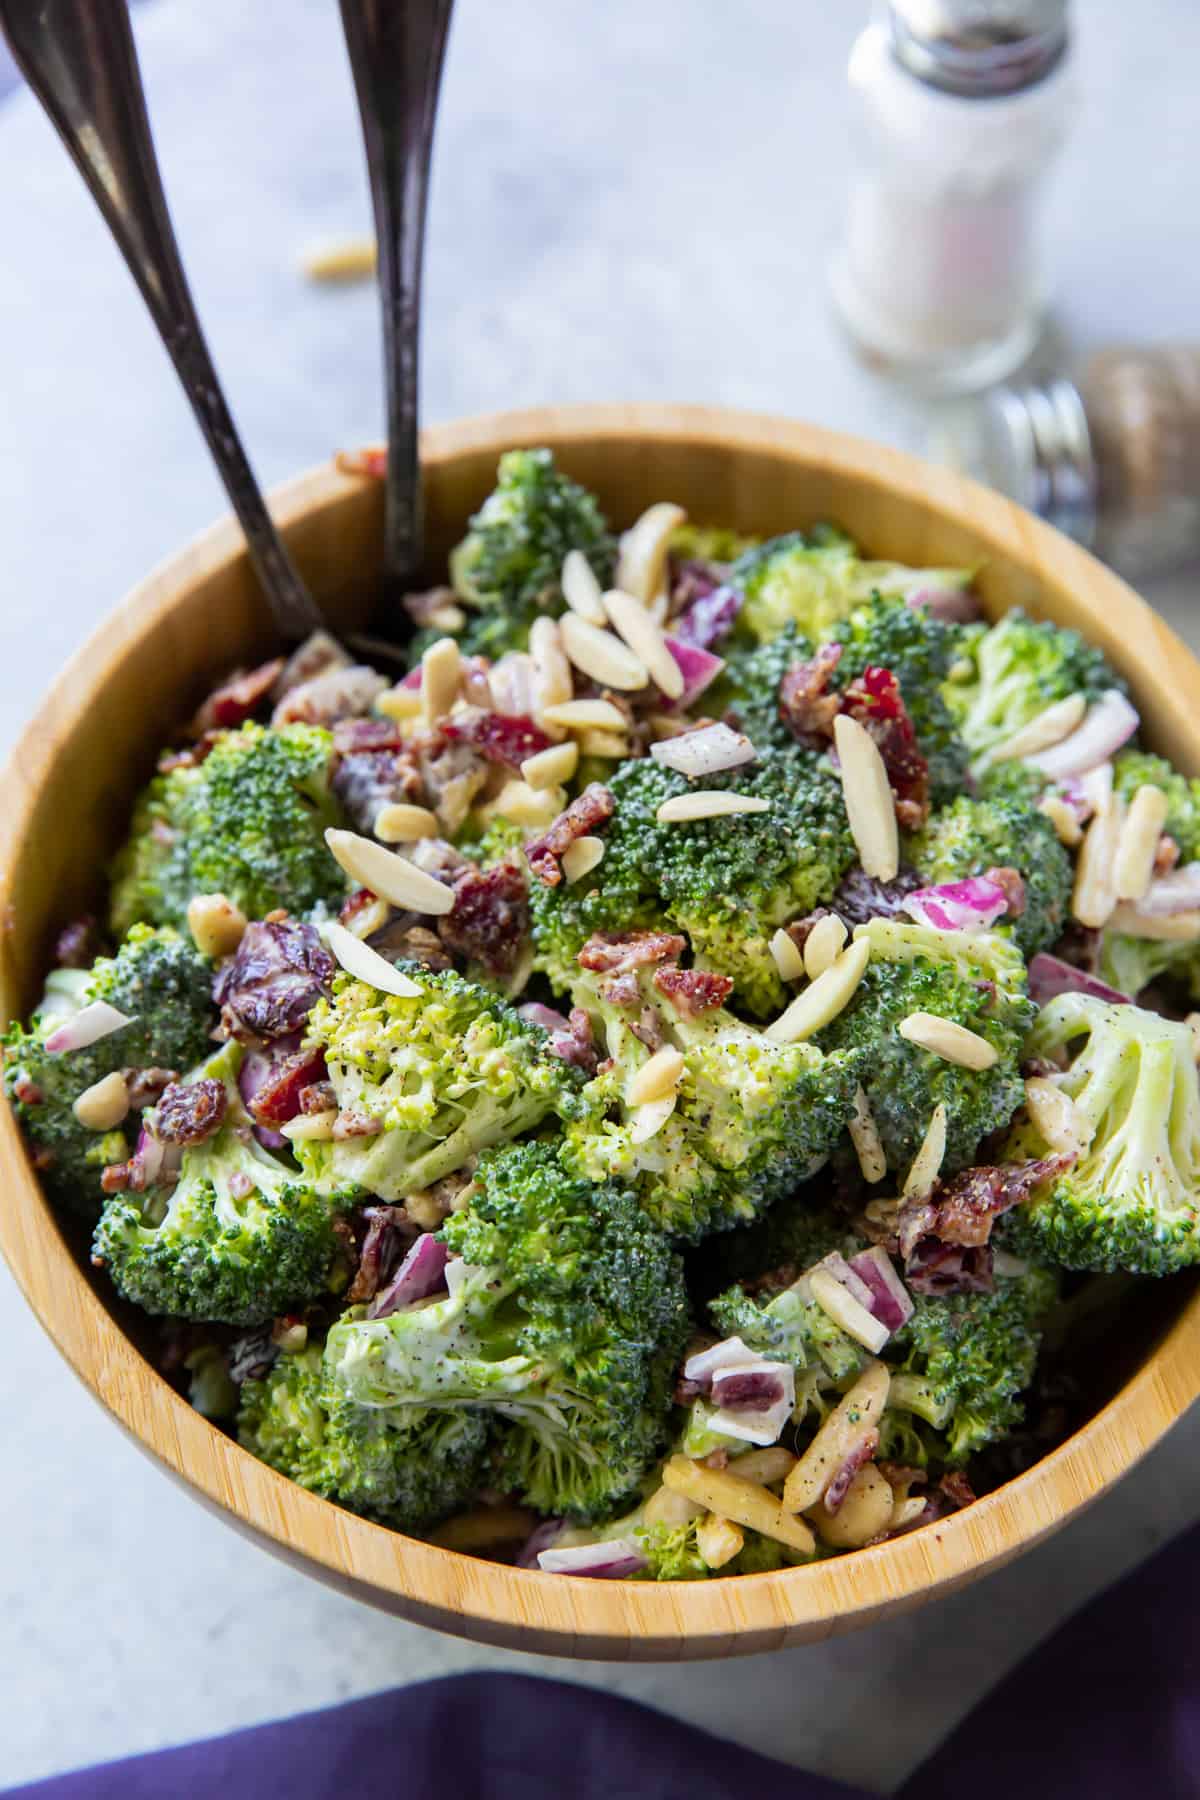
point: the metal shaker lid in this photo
(977, 48)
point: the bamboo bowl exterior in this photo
(65, 796)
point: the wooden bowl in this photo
(64, 803)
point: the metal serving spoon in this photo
(79, 59)
(396, 50)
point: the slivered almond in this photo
(1064, 819)
(642, 555)
(441, 668)
(310, 1128)
(611, 744)
(1193, 1024)
(864, 1135)
(656, 1078)
(399, 703)
(718, 1540)
(1095, 892)
(647, 1121)
(788, 958)
(390, 876)
(667, 1508)
(601, 655)
(1065, 1126)
(364, 921)
(942, 1037)
(552, 683)
(859, 1410)
(747, 1503)
(1164, 928)
(534, 808)
(841, 1306)
(1049, 727)
(645, 638)
(102, 1106)
(708, 803)
(870, 807)
(824, 999)
(349, 259)
(448, 617)
(927, 1163)
(586, 715)
(581, 857)
(358, 959)
(823, 945)
(768, 1465)
(1138, 844)
(581, 590)
(907, 1512)
(550, 767)
(399, 823)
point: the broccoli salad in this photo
(650, 1091)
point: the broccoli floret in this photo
(673, 1554)
(1131, 964)
(710, 543)
(508, 567)
(789, 1326)
(237, 1239)
(442, 1073)
(405, 1466)
(247, 822)
(974, 979)
(1014, 670)
(162, 983)
(970, 837)
(726, 882)
(751, 1118)
(566, 1317)
(815, 579)
(962, 1361)
(919, 651)
(1130, 1199)
(1133, 769)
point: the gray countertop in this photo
(630, 202)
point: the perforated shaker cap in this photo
(978, 48)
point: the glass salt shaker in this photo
(961, 106)
(1110, 455)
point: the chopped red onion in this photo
(1107, 725)
(890, 1301)
(542, 1537)
(612, 1561)
(705, 1363)
(87, 1026)
(1050, 976)
(423, 1272)
(257, 1068)
(699, 668)
(1176, 892)
(836, 1265)
(953, 606)
(859, 1454)
(971, 905)
(413, 679)
(709, 617)
(709, 751)
(754, 1399)
(545, 1016)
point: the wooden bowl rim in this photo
(489, 1600)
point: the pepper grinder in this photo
(961, 106)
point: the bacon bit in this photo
(617, 952)
(350, 735)
(315, 656)
(937, 1268)
(966, 1206)
(621, 990)
(145, 1086)
(280, 971)
(191, 1111)
(281, 1096)
(189, 758)
(593, 807)
(861, 1454)
(499, 737)
(875, 701)
(421, 607)
(77, 945)
(1167, 854)
(452, 775)
(371, 463)
(237, 699)
(717, 1459)
(27, 1092)
(575, 1045)
(489, 921)
(806, 704)
(240, 1185)
(360, 898)
(1012, 885)
(399, 941)
(388, 1234)
(692, 991)
(342, 692)
(121, 1178)
(42, 1159)
(957, 1490)
(355, 1124)
(318, 1097)
(365, 781)
(648, 1029)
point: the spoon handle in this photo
(78, 57)
(396, 49)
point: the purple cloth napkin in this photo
(1107, 1708)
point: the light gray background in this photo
(631, 201)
